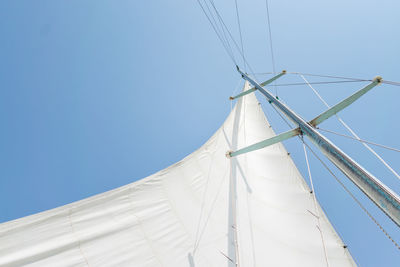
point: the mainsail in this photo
(206, 210)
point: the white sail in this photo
(206, 210)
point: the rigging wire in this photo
(360, 140)
(221, 29)
(315, 204)
(352, 132)
(337, 77)
(239, 50)
(270, 43)
(342, 184)
(240, 33)
(231, 55)
(230, 35)
(222, 36)
(354, 198)
(228, 49)
(391, 83)
(324, 82)
(260, 73)
(329, 76)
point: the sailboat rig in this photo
(387, 200)
(239, 200)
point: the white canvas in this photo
(206, 210)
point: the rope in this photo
(240, 33)
(315, 204)
(353, 133)
(361, 140)
(270, 42)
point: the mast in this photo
(387, 200)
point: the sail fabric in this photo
(206, 210)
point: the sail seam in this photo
(201, 210)
(211, 210)
(150, 242)
(249, 213)
(203, 200)
(76, 236)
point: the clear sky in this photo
(97, 94)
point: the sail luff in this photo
(387, 200)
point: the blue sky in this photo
(98, 94)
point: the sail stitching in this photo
(150, 242)
(202, 203)
(77, 237)
(210, 212)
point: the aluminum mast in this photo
(387, 200)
